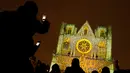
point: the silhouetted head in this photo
(105, 70)
(31, 8)
(55, 68)
(39, 62)
(20, 9)
(94, 71)
(75, 62)
(43, 65)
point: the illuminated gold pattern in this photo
(85, 64)
(93, 49)
(83, 46)
(66, 40)
(86, 28)
(102, 44)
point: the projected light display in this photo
(93, 49)
(83, 46)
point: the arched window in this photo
(85, 31)
(102, 33)
(64, 29)
(66, 45)
(69, 30)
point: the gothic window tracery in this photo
(66, 43)
(102, 44)
(79, 48)
(102, 33)
(83, 46)
(69, 30)
(85, 30)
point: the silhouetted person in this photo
(94, 71)
(33, 62)
(44, 68)
(16, 42)
(75, 67)
(105, 70)
(48, 68)
(116, 67)
(40, 67)
(55, 69)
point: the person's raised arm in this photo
(42, 27)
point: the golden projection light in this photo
(92, 49)
(102, 44)
(83, 46)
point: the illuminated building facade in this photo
(93, 49)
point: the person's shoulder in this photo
(37, 22)
(68, 70)
(3, 12)
(82, 70)
(68, 67)
(4, 15)
(9, 13)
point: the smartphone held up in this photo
(43, 17)
(38, 43)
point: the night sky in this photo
(98, 12)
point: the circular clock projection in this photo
(83, 46)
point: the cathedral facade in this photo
(93, 49)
